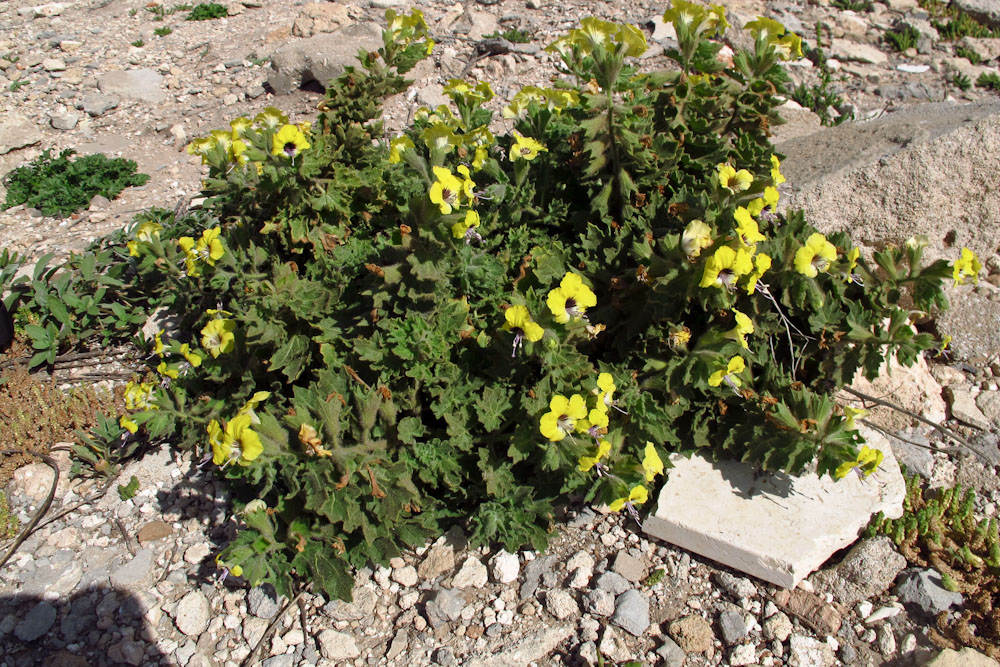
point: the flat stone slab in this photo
(775, 527)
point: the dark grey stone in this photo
(445, 657)
(262, 601)
(533, 573)
(446, 606)
(867, 570)
(285, 660)
(612, 582)
(36, 623)
(924, 590)
(631, 612)
(672, 654)
(732, 627)
(98, 104)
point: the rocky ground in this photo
(134, 582)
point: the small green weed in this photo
(11, 59)
(903, 38)
(133, 11)
(138, 43)
(852, 5)
(514, 36)
(9, 525)
(163, 32)
(128, 491)
(59, 186)
(989, 80)
(17, 84)
(968, 54)
(256, 61)
(961, 81)
(962, 25)
(820, 97)
(160, 12)
(654, 578)
(206, 11)
(101, 452)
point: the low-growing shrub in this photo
(938, 529)
(205, 11)
(376, 338)
(903, 38)
(60, 186)
(989, 80)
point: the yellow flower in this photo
(148, 231)
(128, 424)
(744, 327)
(652, 465)
(209, 247)
(732, 180)
(867, 462)
(460, 230)
(186, 243)
(776, 176)
(679, 337)
(852, 263)
(398, 146)
(250, 406)
(201, 147)
(270, 118)
(815, 256)
(850, 414)
(479, 159)
(238, 443)
(967, 266)
(746, 228)
(606, 390)
(587, 462)
(519, 322)
(239, 126)
(237, 151)
(137, 396)
(218, 336)
(789, 47)
(525, 148)
(193, 358)
(468, 185)
(236, 571)
(440, 136)
(735, 366)
(762, 263)
(596, 422)
(133, 248)
(725, 267)
(766, 26)
(562, 416)
(158, 346)
(768, 200)
(571, 299)
(167, 371)
(289, 141)
(696, 237)
(637, 496)
(446, 190)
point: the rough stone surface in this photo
(439, 560)
(505, 567)
(732, 627)
(692, 633)
(527, 650)
(320, 58)
(774, 528)
(154, 530)
(561, 604)
(967, 657)
(963, 407)
(911, 387)
(320, 17)
(631, 612)
(18, 131)
(193, 614)
(808, 652)
(671, 654)
(472, 574)
(869, 568)
(262, 601)
(136, 574)
(337, 645)
(630, 567)
(36, 622)
(98, 104)
(924, 590)
(143, 85)
(989, 403)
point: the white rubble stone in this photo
(778, 536)
(505, 567)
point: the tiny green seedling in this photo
(138, 43)
(128, 491)
(17, 85)
(163, 32)
(989, 80)
(961, 81)
(903, 38)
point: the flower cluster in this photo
(594, 34)
(235, 441)
(269, 132)
(208, 249)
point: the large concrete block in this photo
(774, 527)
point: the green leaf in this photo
(292, 357)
